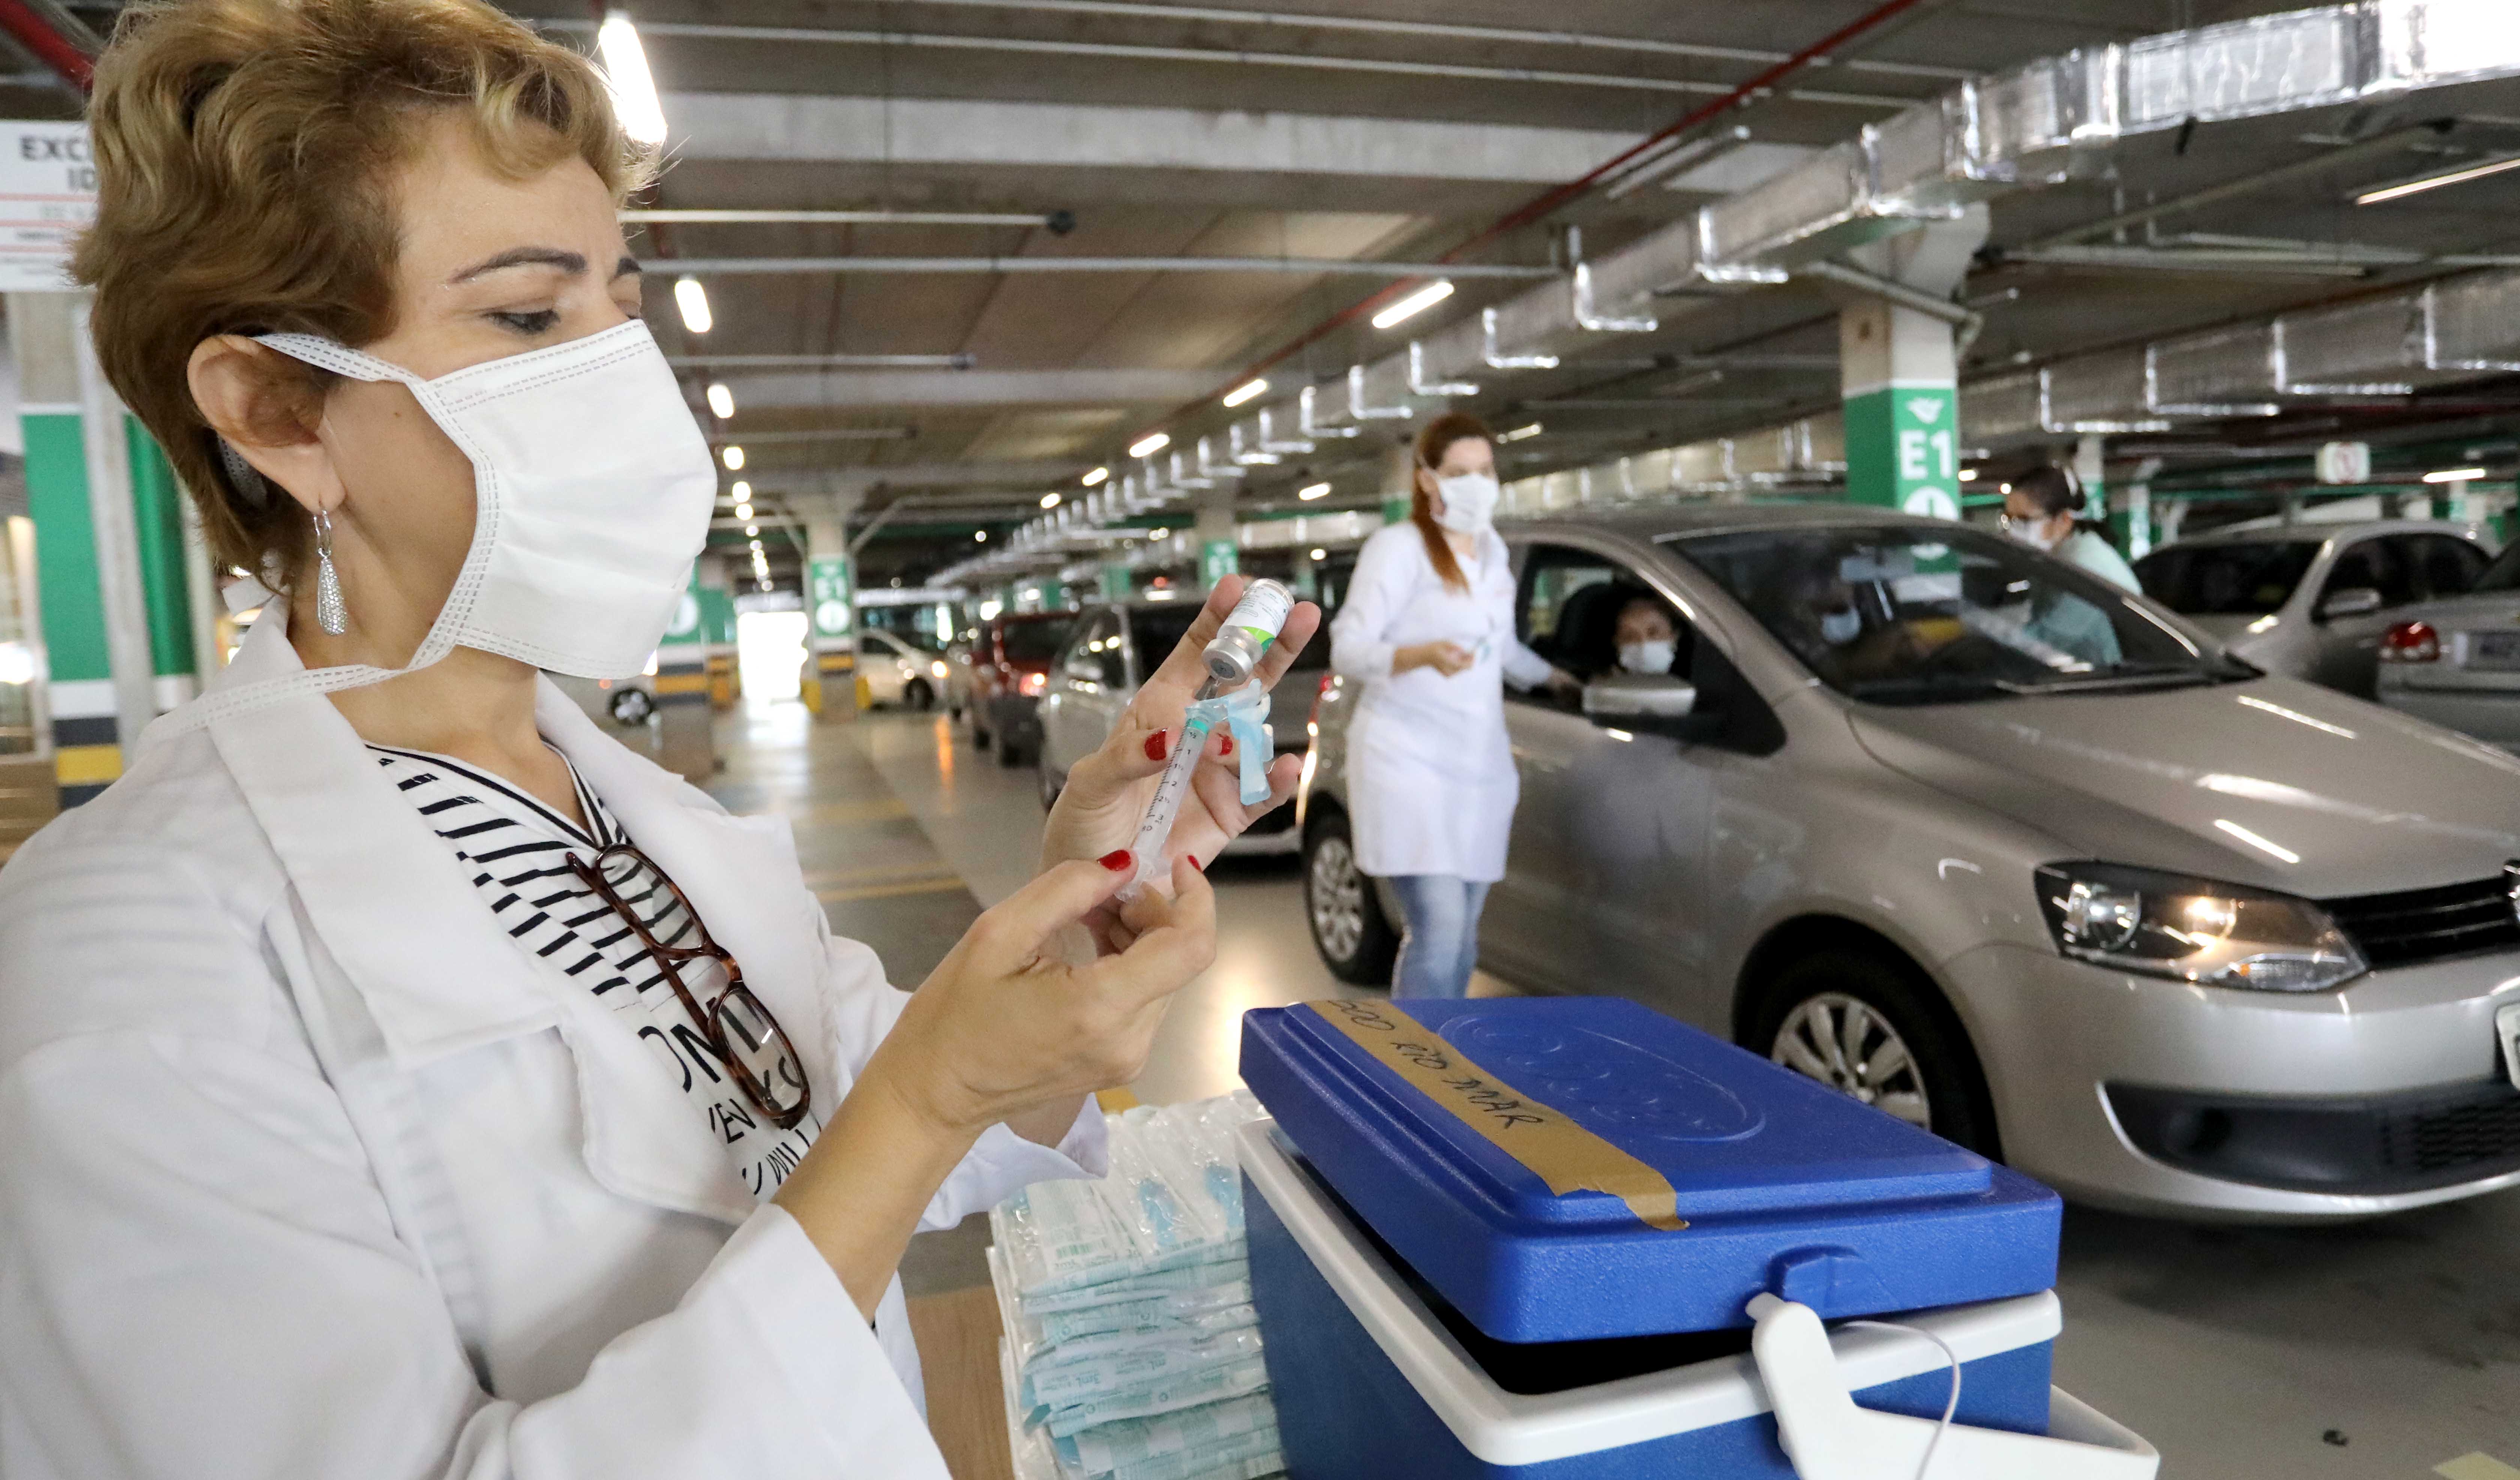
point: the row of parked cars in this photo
(2143, 894)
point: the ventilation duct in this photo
(2097, 392)
(1459, 353)
(1379, 392)
(1538, 322)
(1276, 437)
(2225, 373)
(1312, 411)
(1420, 382)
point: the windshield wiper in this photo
(2179, 674)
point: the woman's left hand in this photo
(1107, 793)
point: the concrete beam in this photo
(868, 389)
(820, 129)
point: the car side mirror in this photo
(2352, 600)
(1656, 705)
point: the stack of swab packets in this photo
(1131, 1349)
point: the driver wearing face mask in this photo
(1648, 640)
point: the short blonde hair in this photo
(244, 151)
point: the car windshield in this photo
(1035, 642)
(1909, 616)
(1156, 630)
(2504, 574)
(2241, 578)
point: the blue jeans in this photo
(1440, 940)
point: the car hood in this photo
(2272, 782)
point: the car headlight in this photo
(2194, 929)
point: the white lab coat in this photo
(308, 1171)
(1431, 783)
(2098, 556)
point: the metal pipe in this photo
(1325, 266)
(705, 216)
(828, 434)
(29, 27)
(2388, 142)
(957, 361)
(1118, 51)
(1968, 320)
(1511, 36)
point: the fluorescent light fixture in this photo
(2454, 475)
(743, 511)
(1416, 304)
(733, 456)
(1152, 443)
(756, 546)
(626, 75)
(1097, 477)
(1519, 432)
(1160, 594)
(1968, 474)
(742, 491)
(1050, 500)
(721, 401)
(1321, 555)
(1317, 490)
(1244, 392)
(2405, 188)
(693, 299)
(752, 529)
(980, 536)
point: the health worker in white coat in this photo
(1427, 630)
(398, 1077)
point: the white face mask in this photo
(1469, 502)
(1843, 625)
(593, 488)
(1654, 657)
(2031, 532)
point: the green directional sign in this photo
(1217, 560)
(827, 588)
(1903, 449)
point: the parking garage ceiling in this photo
(888, 360)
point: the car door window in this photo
(1567, 609)
(2437, 564)
(2370, 565)
(1155, 632)
(1092, 654)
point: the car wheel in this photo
(631, 707)
(1876, 1030)
(1354, 939)
(917, 695)
(980, 737)
(1012, 755)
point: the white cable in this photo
(1948, 1409)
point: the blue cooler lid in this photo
(1690, 1174)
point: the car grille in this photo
(2430, 925)
(2452, 1136)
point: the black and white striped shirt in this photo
(517, 852)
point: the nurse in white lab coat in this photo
(2039, 511)
(310, 1169)
(1427, 630)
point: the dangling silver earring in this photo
(331, 614)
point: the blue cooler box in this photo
(1431, 1308)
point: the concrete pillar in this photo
(717, 620)
(2092, 470)
(830, 607)
(1899, 373)
(687, 742)
(121, 641)
(1219, 553)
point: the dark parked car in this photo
(1009, 667)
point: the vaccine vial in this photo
(1249, 630)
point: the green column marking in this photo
(87, 754)
(1217, 560)
(1116, 584)
(829, 584)
(1903, 449)
(157, 513)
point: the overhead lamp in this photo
(1968, 474)
(1152, 443)
(1244, 392)
(627, 78)
(2454, 475)
(1317, 490)
(1097, 477)
(743, 511)
(756, 546)
(721, 401)
(1050, 500)
(1319, 554)
(980, 536)
(2417, 187)
(742, 490)
(693, 299)
(752, 529)
(1416, 304)
(733, 458)
(1519, 432)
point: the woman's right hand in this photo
(1004, 1024)
(1447, 658)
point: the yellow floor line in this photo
(2477, 1466)
(943, 885)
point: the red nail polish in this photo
(1196, 864)
(1115, 860)
(1229, 745)
(1155, 746)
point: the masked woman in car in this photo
(1427, 630)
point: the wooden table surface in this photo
(967, 1406)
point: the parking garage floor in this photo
(2379, 1350)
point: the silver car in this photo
(2312, 600)
(2456, 661)
(1109, 654)
(2022, 859)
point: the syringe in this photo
(1249, 630)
